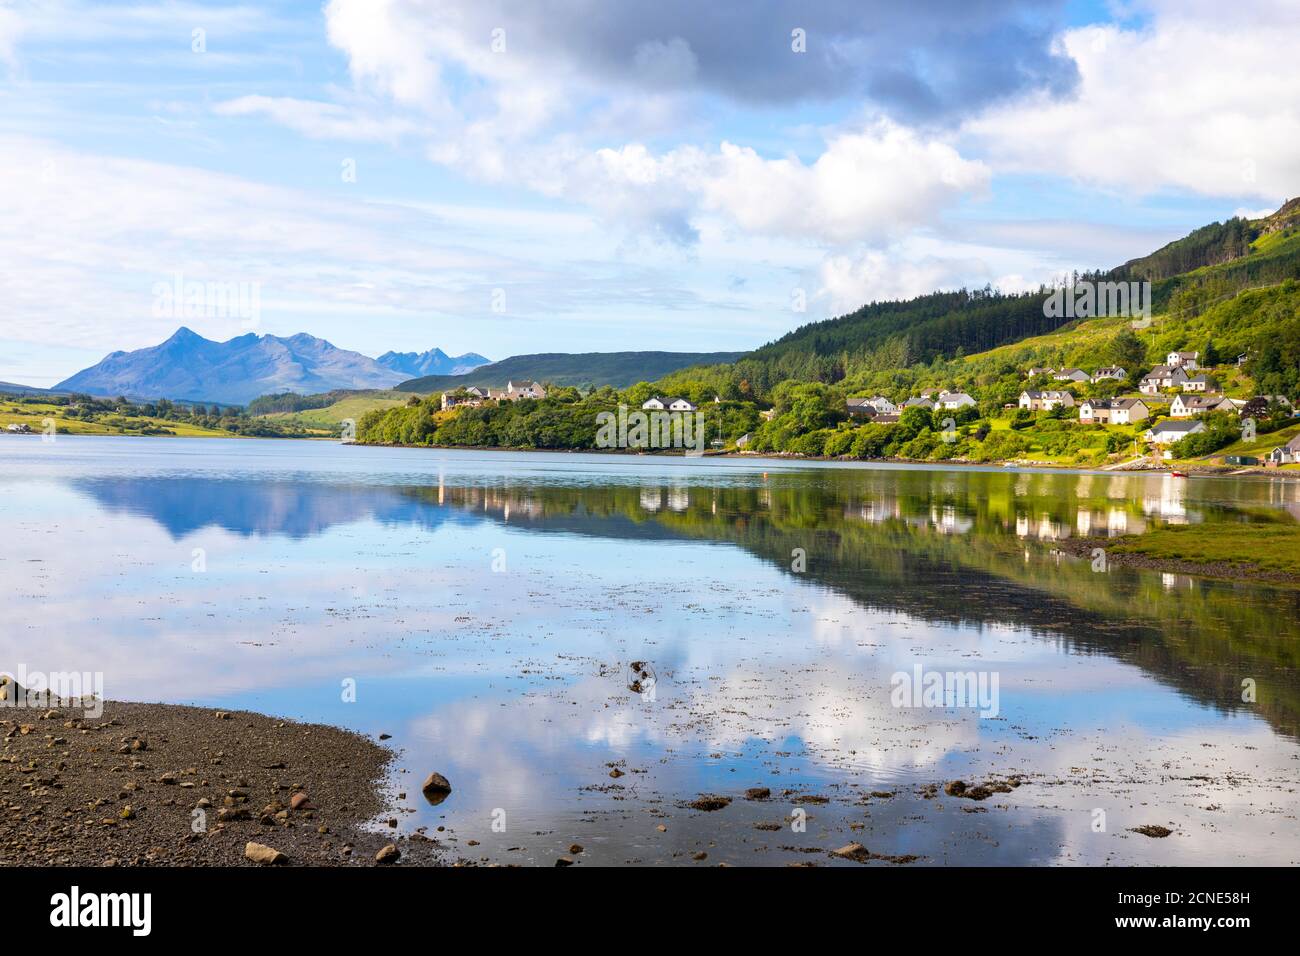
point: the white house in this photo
(1040, 371)
(919, 401)
(884, 406)
(1288, 454)
(1113, 372)
(951, 401)
(1116, 411)
(680, 405)
(1045, 401)
(1162, 377)
(1183, 360)
(518, 390)
(1168, 432)
(1201, 383)
(654, 403)
(1185, 406)
(1072, 375)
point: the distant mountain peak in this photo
(433, 362)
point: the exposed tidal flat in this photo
(484, 609)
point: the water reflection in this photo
(1120, 689)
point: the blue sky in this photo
(575, 175)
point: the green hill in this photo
(619, 369)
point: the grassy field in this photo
(353, 407)
(1268, 547)
(34, 415)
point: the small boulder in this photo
(436, 788)
(260, 853)
(389, 854)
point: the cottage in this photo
(884, 406)
(1072, 375)
(861, 407)
(1185, 406)
(920, 401)
(1045, 401)
(1162, 377)
(1288, 454)
(654, 403)
(680, 405)
(951, 401)
(1116, 411)
(1040, 371)
(1168, 432)
(518, 390)
(1183, 360)
(1112, 372)
(1201, 383)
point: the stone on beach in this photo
(260, 853)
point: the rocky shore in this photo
(162, 784)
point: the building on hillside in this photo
(861, 407)
(884, 406)
(951, 401)
(1112, 372)
(1168, 432)
(1045, 401)
(1288, 454)
(680, 405)
(1040, 371)
(1072, 375)
(1186, 406)
(1183, 360)
(1161, 378)
(525, 389)
(1201, 383)
(1115, 411)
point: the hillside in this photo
(619, 369)
(891, 342)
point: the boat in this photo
(1179, 474)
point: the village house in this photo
(1040, 371)
(884, 406)
(1162, 377)
(1116, 411)
(1201, 383)
(471, 399)
(1185, 406)
(658, 404)
(1072, 375)
(1288, 454)
(1183, 360)
(951, 401)
(1168, 432)
(518, 390)
(919, 401)
(860, 406)
(1113, 372)
(1280, 400)
(1045, 401)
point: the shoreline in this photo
(1218, 570)
(169, 784)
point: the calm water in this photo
(486, 605)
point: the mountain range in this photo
(432, 362)
(190, 367)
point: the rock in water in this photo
(259, 853)
(388, 854)
(436, 788)
(853, 851)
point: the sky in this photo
(592, 175)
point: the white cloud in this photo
(320, 120)
(1195, 101)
